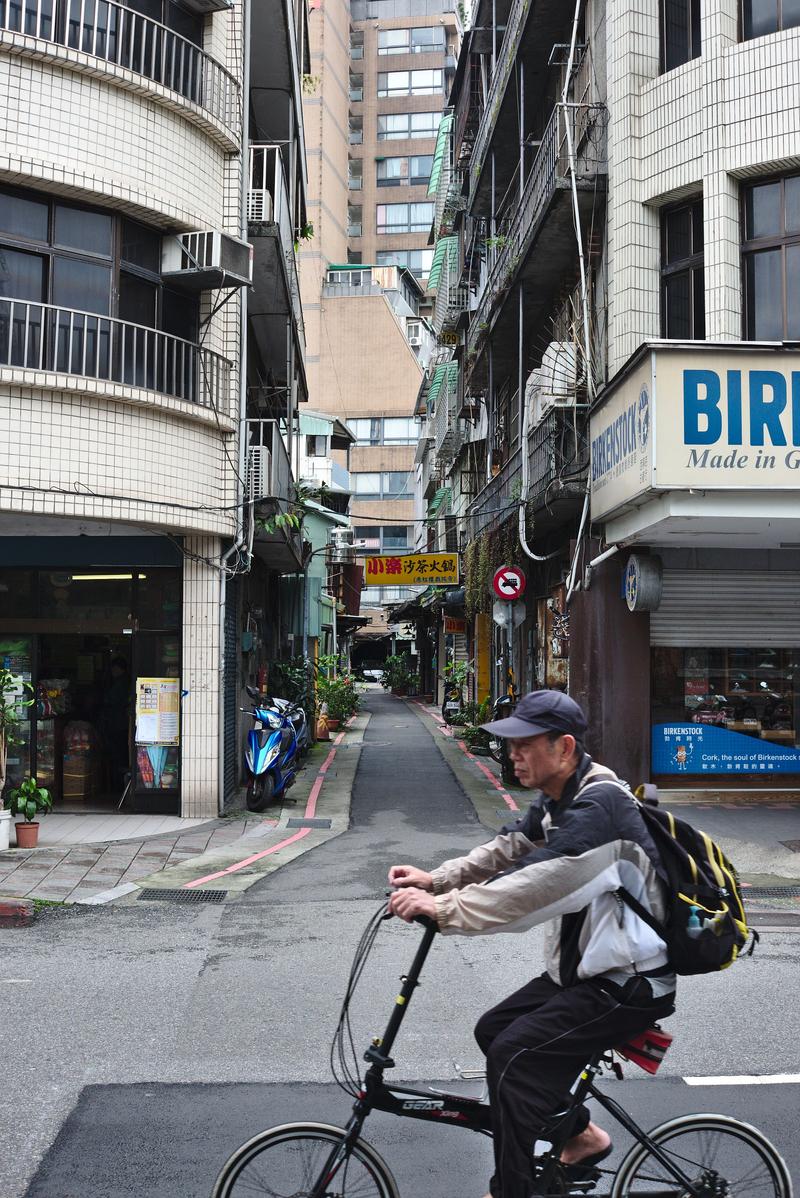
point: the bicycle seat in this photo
(647, 1050)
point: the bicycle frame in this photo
(471, 1113)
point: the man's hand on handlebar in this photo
(409, 875)
(410, 903)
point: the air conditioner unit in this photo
(558, 379)
(258, 475)
(415, 340)
(342, 547)
(206, 259)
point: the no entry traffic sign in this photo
(509, 583)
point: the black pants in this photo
(536, 1043)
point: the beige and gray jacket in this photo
(564, 862)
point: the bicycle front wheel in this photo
(716, 1154)
(288, 1161)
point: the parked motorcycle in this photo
(298, 717)
(502, 708)
(272, 753)
(453, 701)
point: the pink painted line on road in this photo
(507, 799)
(311, 807)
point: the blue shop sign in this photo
(708, 749)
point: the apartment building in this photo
(141, 156)
(615, 417)
(379, 76)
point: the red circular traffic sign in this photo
(509, 583)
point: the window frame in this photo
(744, 36)
(412, 87)
(419, 226)
(693, 31)
(692, 265)
(751, 246)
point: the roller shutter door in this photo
(720, 608)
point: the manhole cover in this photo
(794, 845)
(308, 823)
(772, 892)
(184, 896)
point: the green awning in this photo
(315, 426)
(448, 372)
(442, 497)
(442, 148)
(445, 246)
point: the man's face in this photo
(537, 760)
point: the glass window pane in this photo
(678, 235)
(792, 202)
(22, 276)
(395, 536)
(137, 300)
(392, 41)
(676, 33)
(180, 315)
(793, 292)
(421, 166)
(764, 281)
(85, 286)
(366, 483)
(790, 14)
(82, 230)
(699, 311)
(763, 210)
(429, 37)
(425, 124)
(759, 17)
(395, 483)
(21, 217)
(677, 306)
(141, 246)
(399, 431)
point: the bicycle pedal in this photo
(470, 1075)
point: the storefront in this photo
(695, 475)
(93, 625)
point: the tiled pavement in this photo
(69, 873)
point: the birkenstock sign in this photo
(711, 417)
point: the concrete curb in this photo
(16, 912)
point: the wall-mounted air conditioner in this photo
(342, 548)
(415, 339)
(206, 260)
(557, 379)
(258, 473)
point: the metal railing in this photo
(119, 35)
(446, 430)
(515, 24)
(268, 203)
(43, 337)
(451, 298)
(517, 231)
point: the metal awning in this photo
(442, 497)
(447, 372)
(442, 148)
(445, 247)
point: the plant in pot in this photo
(397, 674)
(29, 800)
(14, 693)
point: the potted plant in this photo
(29, 800)
(13, 694)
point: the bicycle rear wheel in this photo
(717, 1154)
(286, 1162)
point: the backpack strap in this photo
(637, 908)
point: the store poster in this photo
(706, 749)
(157, 711)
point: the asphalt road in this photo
(144, 1042)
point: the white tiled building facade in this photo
(132, 120)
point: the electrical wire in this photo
(344, 1058)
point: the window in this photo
(409, 83)
(375, 537)
(404, 218)
(398, 172)
(680, 32)
(391, 484)
(316, 446)
(354, 220)
(354, 174)
(367, 430)
(682, 276)
(400, 126)
(760, 17)
(355, 135)
(417, 261)
(356, 92)
(771, 253)
(421, 40)
(357, 43)
(400, 430)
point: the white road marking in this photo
(14, 981)
(747, 1079)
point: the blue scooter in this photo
(272, 753)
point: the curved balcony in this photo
(118, 35)
(42, 337)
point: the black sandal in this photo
(582, 1170)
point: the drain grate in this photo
(184, 896)
(772, 892)
(308, 823)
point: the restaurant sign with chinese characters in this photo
(411, 570)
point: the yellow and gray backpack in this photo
(706, 927)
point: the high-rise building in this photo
(380, 73)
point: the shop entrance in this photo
(99, 651)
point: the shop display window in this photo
(749, 695)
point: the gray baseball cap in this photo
(542, 711)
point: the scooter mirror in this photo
(253, 692)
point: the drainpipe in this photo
(240, 540)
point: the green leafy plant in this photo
(339, 694)
(29, 800)
(398, 674)
(456, 673)
(10, 702)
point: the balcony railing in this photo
(43, 337)
(268, 203)
(451, 298)
(515, 25)
(517, 231)
(119, 35)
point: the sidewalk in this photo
(227, 854)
